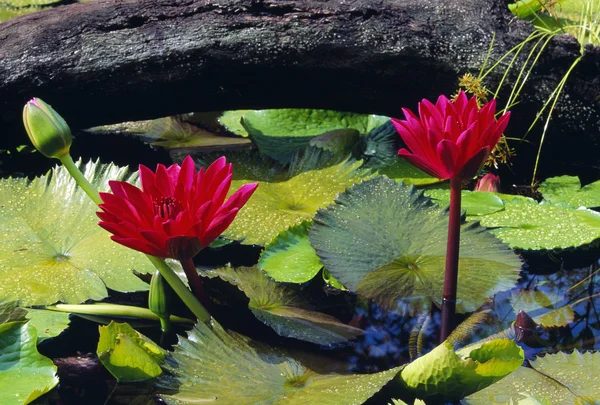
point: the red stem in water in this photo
(196, 284)
(451, 271)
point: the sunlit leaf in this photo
(543, 309)
(127, 354)
(232, 120)
(387, 242)
(445, 375)
(214, 366)
(473, 202)
(290, 258)
(48, 323)
(568, 190)
(24, 373)
(559, 378)
(284, 309)
(276, 206)
(528, 225)
(401, 170)
(51, 246)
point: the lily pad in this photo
(10, 311)
(232, 120)
(559, 378)
(401, 170)
(546, 311)
(290, 258)
(379, 149)
(568, 190)
(387, 242)
(51, 246)
(214, 366)
(284, 310)
(24, 373)
(473, 202)
(280, 133)
(532, 226)
(276, 206)
(445, 375)
(47, 323)
(127, 354)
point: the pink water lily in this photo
(450, 139)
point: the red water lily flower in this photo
(450, 139)
(177, 213)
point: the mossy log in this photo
(115, 60)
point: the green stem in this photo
(180, 289)
(80, 179)
(165, 324)
(114, 310)
(452, 251)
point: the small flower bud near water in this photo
(47, 130)
(490, 182)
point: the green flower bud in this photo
(47, 130)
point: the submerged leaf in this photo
(24, 373)
(127, 354)
(387, 242)
(559, 378)
(290, 258)
(445, 375)
(284, 310)
(214, 366)
(568, 190)
(52, 248)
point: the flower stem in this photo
(452, 250)
(196, 284)
(180, 289)
(104, 309)
(80, 179)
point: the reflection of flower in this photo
(450, 139)
(489, 182)
(179, 211)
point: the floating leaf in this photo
(232, 120)
(379, 149)
(290, 258)
(559, 378)
(280, 133)
(444, 375)
(386, 241)
(276, 206)
(214, 366)
(24, 373)
(337, 141)
(11, 312)
(127, 354)
(532, 226)
(544, 310)
(473, 202)
(282, 309)
(51, 246)
(401, 170)
(47, 323)
(568, 190)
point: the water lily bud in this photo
(47, 130)
(489, 182)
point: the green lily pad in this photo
(290, 258)
(531, 226)
(214, 366)
(284, 309)
(51, 246)
(127, 354)
(337, 141)
(232, 120)
(379, 149)
(10, 311)
(473, 202)
(546, 311)
(47, 323)
(559, 378)
(401, 170)
(568, 190)
(387, 242)
(276, 206)
(280, 133)
(24, 373)
(445, 375)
